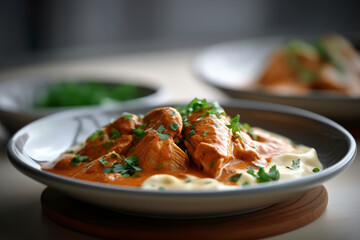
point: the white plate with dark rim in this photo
(233, 67)
(17, 96)
(46, 138)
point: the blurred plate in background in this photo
(25, 100)
(234, 67)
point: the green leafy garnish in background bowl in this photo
(71, 94)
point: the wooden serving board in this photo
(93, 220)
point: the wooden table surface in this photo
(20, 210)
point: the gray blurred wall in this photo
(29, 28)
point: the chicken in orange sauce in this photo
(330, 64)
(198, 140)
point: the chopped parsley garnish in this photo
(187, 181)
(248, 130)
(236, 126)
(262, 176)
(139, 133)
(235, 177)
(217, 125)
(78, 159)
(96, 134)
(212, 164)
(316, 170)
(200, 104)
(115, 133)
(295, 164)
(204, 134)
(274, 173)
(173, 126)
(193, 126)
(246, 183)
(251, 171)
(159, 167)
(143, 126)
(132, 150)
(161, 129)
(103, 161)
(129, 169)
(162, 188)
(107, 145)
(128, 116)
(191, 133)
(172, 114)
(164, 136)
(108, 170)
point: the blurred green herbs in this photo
(71, 94)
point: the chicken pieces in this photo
(331, 63)
(208, 141)
(150, 139)
(212, 145)
(117, 136)
(198, 138)
(157, 149)
(217, 143)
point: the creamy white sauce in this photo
(308, 161)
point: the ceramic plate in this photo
(233, 67)
(45, 139)
(18, 95)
